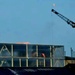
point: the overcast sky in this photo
(32, 21)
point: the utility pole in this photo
(71, 55)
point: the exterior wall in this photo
(69, 61)
(29, 55)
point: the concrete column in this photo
(12, 55)
(26, 55)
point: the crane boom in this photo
(64, 18)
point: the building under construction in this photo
(31, 55)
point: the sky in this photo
(32, 21)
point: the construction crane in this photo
(64, 18)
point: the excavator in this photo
(68, 21)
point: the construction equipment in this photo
(64, 18)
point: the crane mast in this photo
(64, 18)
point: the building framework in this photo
(31, 55)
